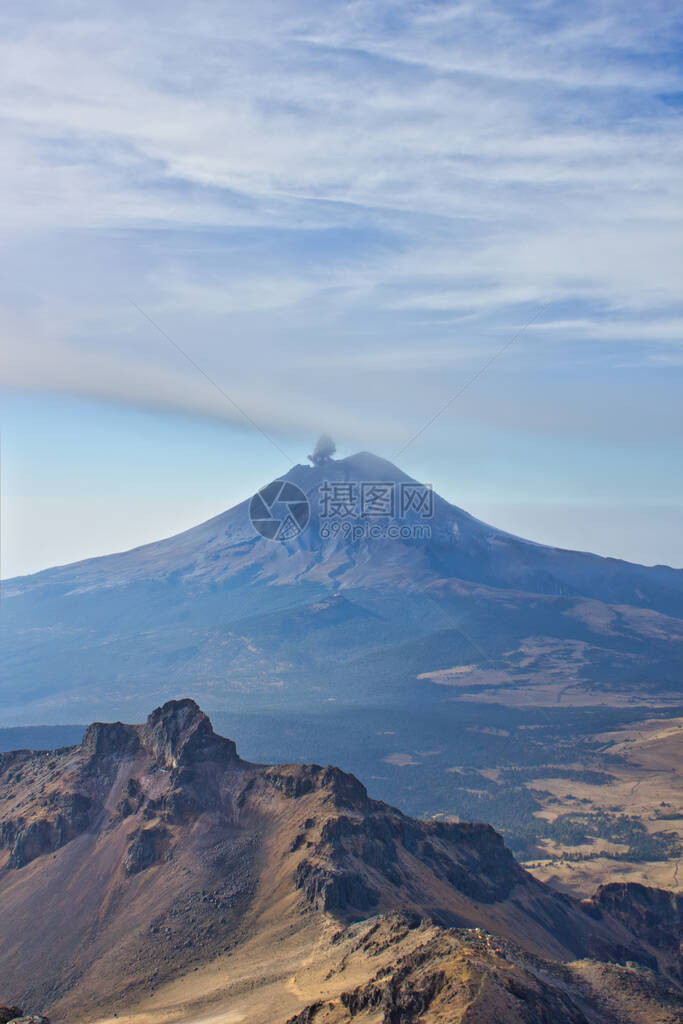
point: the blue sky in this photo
(341, 212)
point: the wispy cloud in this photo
(368, 187)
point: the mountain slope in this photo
(228, 609)
(150, 853)
(460, 546)
(425, 974)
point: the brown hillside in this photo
(152, 857)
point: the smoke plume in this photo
(323, 451)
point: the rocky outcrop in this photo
(335, 889)
(64, 817)
(149, 846)
(400, 1001)
(307, 1015)
(417, 972)
(344, 789)
(177, 738)
(449, 976)
(341, 789)
(102, 739)
(471, 858)
(476, 860)
(399, 1006)
(179, 733)
(292, 784)
(654, 915)
(38, 837)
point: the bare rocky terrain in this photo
(174, 881)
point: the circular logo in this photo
(279, 511)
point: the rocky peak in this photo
(176, 734)
(346, 790)
(104, 738)
(179, 733)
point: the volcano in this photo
(335, 610)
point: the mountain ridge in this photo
(173, 854)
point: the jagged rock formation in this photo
(654, 914)
(59, 805)
(151, 850)
(421, 973)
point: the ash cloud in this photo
(323, 451)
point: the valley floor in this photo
(645, 765)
